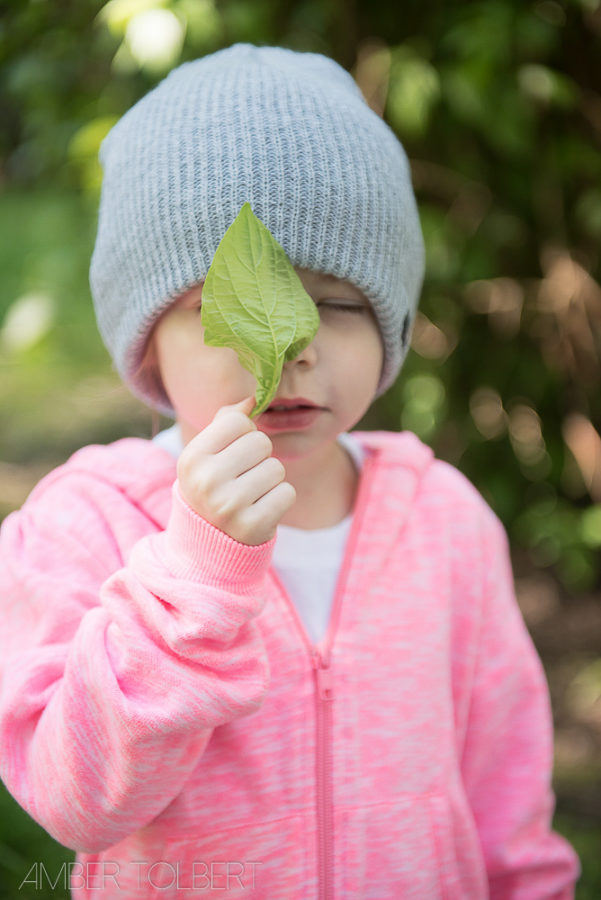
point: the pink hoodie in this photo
(163, 712)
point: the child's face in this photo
(338, 372)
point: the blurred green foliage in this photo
(499, 107)
(498, 103)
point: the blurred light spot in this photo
(546, 86)
(536, 81)
(573, 748)
(486, 408)
(584, 693)
(83, 150)
(87, 139)
(590, 526)
(28, 319)
(123, 63)
(155, 39)
(203, 22)
(413, 91)
(564, 281)
(584, 443)
(550, 12)
(117, 14)
(526, 434)
(372, 72)
(589, 5)
(577, 568)
(429, 340)
(570, 327)
(424, 397)
(501, 299)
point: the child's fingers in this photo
(242, 454)
(255, 503)
(230, 499)
(228, 475)
(252, 401)
(229, 423)
(259, 521)
(246, 406)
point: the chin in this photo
(289, 446)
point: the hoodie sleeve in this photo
(113, 673)
(508, 751)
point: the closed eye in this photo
(343, 307)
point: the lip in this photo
(291, 402)
(298, 414)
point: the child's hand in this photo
(227, 474)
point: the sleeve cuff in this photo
(200, 551)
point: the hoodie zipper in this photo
(321, 659)
(324, 696)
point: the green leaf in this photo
(254, 302)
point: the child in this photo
(266, 656)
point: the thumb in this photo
(245, 406)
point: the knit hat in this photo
(288, 132)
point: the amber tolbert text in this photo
(161, 875)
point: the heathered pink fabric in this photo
(158, 707)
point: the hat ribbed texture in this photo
(291, 134)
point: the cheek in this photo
(366, 360)
(376, 355)
(354, 365)
(199, 379)
(175, 355)
(180, 354)
(368, 371)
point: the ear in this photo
(149, 370)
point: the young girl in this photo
(266, 656)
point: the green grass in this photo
(585, 837)
(24, 849)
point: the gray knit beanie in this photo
(291, 134)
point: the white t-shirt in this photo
(306, 562)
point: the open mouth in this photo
(280, 408)
(281, 404)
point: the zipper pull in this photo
(325, 678)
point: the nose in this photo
(306, 358)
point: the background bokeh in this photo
(498, 104)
